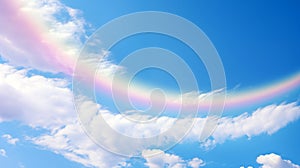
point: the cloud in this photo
(36, 101)
(274, 161)
(196, 163)
(72, 143)
(10, 139)
(3, 153)
(267, 120)
(130, 137)
(162, 159)
(47, 102)
(44, 35)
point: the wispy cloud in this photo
(10, 139)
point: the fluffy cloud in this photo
(71, 142)
(49, 40)
(47, 102)
(274, 161)
(163, 160)
(3, 152)
(196, 163)
(44, 35)
(131, 137)
(10, 139)
(268, 120)
(157, 158)
(36, 101)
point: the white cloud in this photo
(44, 102)
(36, 101)
(10, 139)
(129, 137)
(71, 142)
(162, 160)
(268, 120)
(47, 103)
(274, 161)
(41, 102)
(196, 163)
(156, 158)
(44, 35)
(3, 153)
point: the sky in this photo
(69, 99)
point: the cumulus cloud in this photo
(126, 136)
(162, 159)
(36, 101)
(3, 152)
(267, 120)
(47, 102)
(44, 35)
(196, 163)
(72, 143)
(10, 139)
(274, 161)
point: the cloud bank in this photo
(47, 103)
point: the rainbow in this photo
(26, 33)
(234, 100)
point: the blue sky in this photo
(258, 43)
